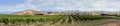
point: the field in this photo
(53, 20)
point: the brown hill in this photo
(29, 12)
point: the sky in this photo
(8, 6)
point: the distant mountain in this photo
(73, 12)
(28, 12)
(34, 12)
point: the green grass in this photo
(28, 18)
(85, 20)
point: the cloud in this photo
(60, 5)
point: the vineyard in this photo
(53, 20)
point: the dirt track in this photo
(115, 23)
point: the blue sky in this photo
(11, 2)
(7, 6)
